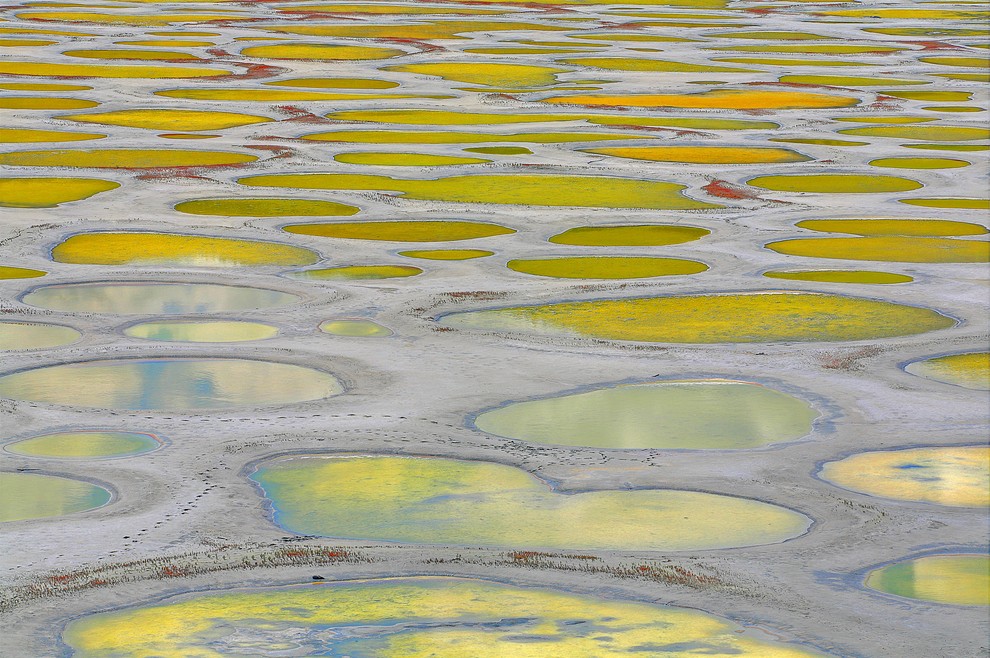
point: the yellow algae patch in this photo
(633, 235)
(421, 616)
(606, 267)
(402, 231)
(34, 496)
(500, 150)
(924, 14)
(276, 95)
(129, 19)
(952, 579)
(168, 119)
(722, 318)
(25, 43)
(788, 62)
(657, 65)
(630, 37)
(948, 147)
(34, 335)
(29, 136)
(486, 73)
(818, 142)
(962, 204)
(840, 276)
(513, 189)
(703, 154)
(453, 137)
(887, 248)
(953, 108)
(182, 33)
(213, 331)
(447, 501)
(965, 77)
(176, 250)
(827, 49)
(248, 207)
(773, 36)
(359, 273)
(334, 83)
(40, 86)
(49, 192)
(723, 99)
(355, 328)
(916, 227)
(123, 158)
(954, 476)
(848, 81)
(7, 272)
(446, 254)
(418, 31)
(919, 163)
(939, 96)
(928, 133)
(320, 51)
(85, 445)
(167, 43)
(973, 62)
(885, 120)
(405, 159)
(834, 183)
(386, 9)
(970, 370)
(28, 30)
(44, 103)
(523, 50)
(151, 55)
(50, 70)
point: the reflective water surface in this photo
(954, 579)
(34, 496)
(138, 298)
(85, 445)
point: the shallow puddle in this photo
(175, 250)
(840, 276)
(969, 370)
(652, 65)
(606, 267)
(358, 273)
(124, 158)
(215, 331)
(405, 159)
(633, 235)
(951, 579)
(500, 150)
(248, 207)
(35, 335)
(723, 318)
(895, 249)
(34, 496)
(29, 136)
(49, 192)
(334, 83)
(153, 298)
(703, 154)
(927, 133)
(819, 142)
(852, 81)
(48, 69)
(85, 445)
(447, 501)
(402, 231)
(955, 476)
(676, 415)
(320, 52)
(168, 119)
(453, 137)
(421, 616)
(725, 99)
(355, 328)
(170, 384)
(278, 95)
(835, 183)
(513, 189)
(919, 163)
(904, 227)
(127, 53)
(486, 73)
(447, 254)
(7, 272)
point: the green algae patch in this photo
(30, 136)
(170, 384)
(811, 49)
(631, 235)
(840, 276)
(904, 227)
(383, 159)
(704, 154)
(606, 267)
(962, 148)
(355, 328)
(134, 298)
(722, 99)
(447, 254)
(33, 496)
(818, 142)
(969, 370)
(247, 207)
(402, 231)
(152, 119)
(653, 65)
(126, 53)
(884, 120)
(920, 163)
(970, 62)
(939, 96)
(124, 158)
(953, 476)
(486, 73)
(722, 318)
(849, 81)
(500, 150)
(835, 183)
(48, 69)
(44, 103)
(454, 137)
(7, 272)
(358, 273)
(176, 250)
(212, 331)
(788, 61)
(446, 501)
(950, 579)
(277, 95)
(334, 83)
(888, 248)
(926, 133)
(505, 189)
(953, 108)
(85, 445)
(949, 202)
(420, 616)
(49, 192)
(674, 415)
(35, 335)
(321, 52)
